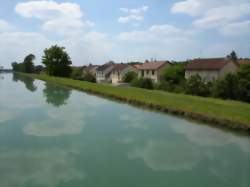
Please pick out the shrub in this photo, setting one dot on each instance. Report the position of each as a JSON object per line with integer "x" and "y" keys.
{"x": 195, "y": 86}
{"x": 226, "y": 87}
{"x": 130, "y": 76}
{"x": 143, "y": 83}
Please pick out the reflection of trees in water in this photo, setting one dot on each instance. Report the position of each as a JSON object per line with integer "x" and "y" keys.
{"x": 56, "y": 95}
{"x": 29, "y": 82}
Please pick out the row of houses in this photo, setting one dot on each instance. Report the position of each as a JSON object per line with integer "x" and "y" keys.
{"x": 209, "y": 69}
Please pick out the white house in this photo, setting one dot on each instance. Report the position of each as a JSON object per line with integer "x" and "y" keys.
{"x": 103, "y": 73}
{"x": 210, "y": 69}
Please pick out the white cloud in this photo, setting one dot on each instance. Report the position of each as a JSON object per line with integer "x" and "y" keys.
{"x": 135, "y": 14}
{"x": 236, "y": 29}
{"x": 220, "y": 15}
{"x": 127, "y": 19}
{"x": 156, "y": 33}
{"x": 63, "y": 17}
{"x": 135, "y": 10}
{"x": 43, "y": 167}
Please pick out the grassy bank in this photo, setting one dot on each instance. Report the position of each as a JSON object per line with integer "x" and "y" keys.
{"x": 230, "y": 114}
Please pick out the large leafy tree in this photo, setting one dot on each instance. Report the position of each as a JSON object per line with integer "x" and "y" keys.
{"x": 57, "y": 61}
{"x": 28, "y": 63}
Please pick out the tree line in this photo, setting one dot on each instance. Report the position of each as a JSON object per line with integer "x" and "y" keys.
{"x": 56, "y": 62}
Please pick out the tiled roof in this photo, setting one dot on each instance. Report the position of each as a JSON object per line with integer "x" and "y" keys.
{"x": 207, "y": 64}
{"x": 153, "y": 65}
{"x": 105, "y": 66}
{"x": 120, "y": 67}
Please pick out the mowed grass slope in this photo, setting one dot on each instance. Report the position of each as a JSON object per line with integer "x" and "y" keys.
{"x": 232, "y": 114}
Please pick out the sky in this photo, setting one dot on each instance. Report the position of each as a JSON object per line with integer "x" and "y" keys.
{"x": 96, "y": 31}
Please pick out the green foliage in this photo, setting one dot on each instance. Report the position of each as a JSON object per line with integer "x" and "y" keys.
{"x": 173, "y": 78}
{"x": 57, "y": 61}
{"x": 76, "y": 73}
{"x": 143, "y": 83}
{"x": 244, "y": 82}
{"x": 195, "y": 86}
{"x": 174, "y": 74}
{"x": 233, "y": 56}
{"x": 130, "y": 76}
{"x": 17, "y": 67}
{"x": 226, "y": 87}
{"x": 28, "y": 63}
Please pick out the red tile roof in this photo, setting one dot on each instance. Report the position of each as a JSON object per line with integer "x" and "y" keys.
{"x": 153, "y": 65}
{"x": 120, "y": 67}
{"x": 207, "y": 64}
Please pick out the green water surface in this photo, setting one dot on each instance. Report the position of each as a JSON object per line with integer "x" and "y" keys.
{"x": 51, "y": 136}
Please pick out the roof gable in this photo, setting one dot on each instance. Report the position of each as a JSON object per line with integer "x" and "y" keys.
{"x": 105, "y": 66}
{"x": 153, "y": 65}
{"x": 207, "y": 64}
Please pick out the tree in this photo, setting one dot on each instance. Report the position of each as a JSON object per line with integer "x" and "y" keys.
{"x": 17, "y": 67}
{"x": 130, "y": 76}
{"x": 28, "y": 63}
{"x": 173, "y": 78}
{"x": 195, "y": 86}
{"x": 57, "y": 61}
{"x": 244, "y": 82}
{"x": 233, "y": 56}
{"x": 226, "y": 87}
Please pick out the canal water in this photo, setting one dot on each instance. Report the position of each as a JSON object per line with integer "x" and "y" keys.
{"x": 51, "y": 136}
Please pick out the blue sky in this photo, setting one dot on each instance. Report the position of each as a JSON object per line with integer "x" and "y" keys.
{"x": 97, "y": 31}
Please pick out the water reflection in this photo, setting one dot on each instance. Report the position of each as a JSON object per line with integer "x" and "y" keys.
{"x": 56, "y": 95}
{"x": 166, "y": 155}
{"x": 29, "y": 82}
{"x": 38, "y": 167}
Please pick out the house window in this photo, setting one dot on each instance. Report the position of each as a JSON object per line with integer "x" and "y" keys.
{"x": 153, "y": 72}
{"x": 147, "y": 72}
{"x": 142, "y": 73}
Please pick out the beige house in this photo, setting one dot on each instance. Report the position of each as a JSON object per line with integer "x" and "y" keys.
{"x": 119, "y": 71}
{"x": 152, "y": 70}
{"x": 210, "y": 69}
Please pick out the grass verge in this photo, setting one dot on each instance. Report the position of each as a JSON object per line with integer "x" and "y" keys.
{"x": 230, "y": 114}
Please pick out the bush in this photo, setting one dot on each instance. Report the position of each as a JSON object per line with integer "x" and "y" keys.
{"x": 76, "y": 73}
{"x": 244, "y": 83}
{"x": 226, "y": 87}
{"x": 143, "y": 83}
{"x": 89, "y": 78}
{"x": 130, "y": 76}
{"x": 195, "y": 86}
